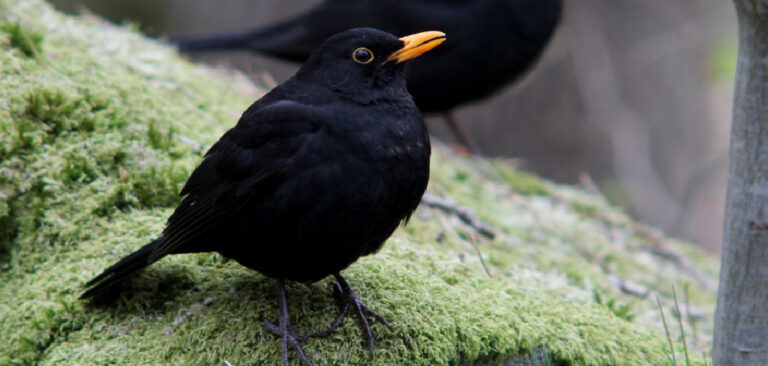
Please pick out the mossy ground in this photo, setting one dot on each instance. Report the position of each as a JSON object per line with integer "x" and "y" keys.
{"x": 99, "y": 127}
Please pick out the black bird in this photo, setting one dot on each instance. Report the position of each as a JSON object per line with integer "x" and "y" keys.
{"x": 493, "y": 42}
{"x": 317, "y": 173}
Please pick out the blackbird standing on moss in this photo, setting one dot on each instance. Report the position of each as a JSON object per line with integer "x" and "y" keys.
{"x": 317, "y": 173}
{"x": 493, "y": 43}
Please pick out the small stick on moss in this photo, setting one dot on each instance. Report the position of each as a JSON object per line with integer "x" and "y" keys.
{"x": 463, "y": 213}
{"x": 628, "y": 287}
{"x": 455, "y": 236}
{"x": 473, "y": 239}
{"x": 659, "y": 248}
{"x": 680, "y": 323}
{"x": 666, "y": 329}
{"x": 190, "y": 142}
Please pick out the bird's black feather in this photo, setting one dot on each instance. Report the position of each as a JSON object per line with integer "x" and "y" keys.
{"x": 317, "y": 173}
{"x": 491, "y": 43}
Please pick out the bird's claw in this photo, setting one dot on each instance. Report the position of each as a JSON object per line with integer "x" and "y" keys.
{"x": 290, "y": 338}
{"x": 348, "y": 298}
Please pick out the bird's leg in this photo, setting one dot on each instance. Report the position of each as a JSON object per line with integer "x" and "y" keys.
{"x": 284, "y": 329}
{"x": 460, "y": 134}
{"x": 349, "y": 299}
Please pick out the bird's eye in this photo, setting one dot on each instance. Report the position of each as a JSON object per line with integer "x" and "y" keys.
{"x": 362, "y": 55}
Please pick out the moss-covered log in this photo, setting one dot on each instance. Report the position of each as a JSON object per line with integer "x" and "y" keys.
{"x": 99, "y": 127}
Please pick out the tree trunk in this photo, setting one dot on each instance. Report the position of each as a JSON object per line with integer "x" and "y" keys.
{"x": 741, "y": 318}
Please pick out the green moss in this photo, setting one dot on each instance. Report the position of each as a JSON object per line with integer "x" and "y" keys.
{"x": 521, "y": 181}
{"x": 623, "y": 311}
{"x": 96, "y": 141}
{"x": 24, "y": 39}
{"x": 586, "y": 209}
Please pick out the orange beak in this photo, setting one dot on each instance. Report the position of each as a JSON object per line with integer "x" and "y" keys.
{"x": 416, "y": 45}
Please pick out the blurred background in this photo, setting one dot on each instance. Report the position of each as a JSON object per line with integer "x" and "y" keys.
{"x": 633, "y": 95}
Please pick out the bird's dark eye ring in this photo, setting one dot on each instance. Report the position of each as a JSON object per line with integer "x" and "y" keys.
{"x": 362, "y": 55}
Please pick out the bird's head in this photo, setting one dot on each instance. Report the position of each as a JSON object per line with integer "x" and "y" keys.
{"x": 365, "y": 63}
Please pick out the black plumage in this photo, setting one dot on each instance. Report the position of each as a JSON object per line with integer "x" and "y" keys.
{"x": 317, "y": 173}
{"x": 492, "y": 43}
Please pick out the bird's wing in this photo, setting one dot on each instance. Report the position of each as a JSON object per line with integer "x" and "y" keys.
{"x": 247, "y": 162}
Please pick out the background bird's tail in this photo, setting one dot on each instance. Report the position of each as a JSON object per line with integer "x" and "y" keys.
{"x": 121, "y": 270}
{"x": 289, "y": 40}
{"x": 217, "y": 42}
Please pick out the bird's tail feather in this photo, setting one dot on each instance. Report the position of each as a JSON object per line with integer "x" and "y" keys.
{"x": 121, "y": 270}
{"x": 288, "y": 40}
{"x": 218, "y": 42}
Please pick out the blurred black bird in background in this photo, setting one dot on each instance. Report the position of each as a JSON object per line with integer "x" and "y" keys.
{"x": 317, "y": 173}
{"x": 492, "y": 43}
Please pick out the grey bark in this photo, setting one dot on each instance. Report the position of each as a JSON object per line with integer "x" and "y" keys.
{"x": 741, "y": 317}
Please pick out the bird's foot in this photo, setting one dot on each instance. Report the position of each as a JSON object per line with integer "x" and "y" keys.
{"x": 290, "y": 338}
{"x": 348, "y": 299}
{"x": 285, "y": 331}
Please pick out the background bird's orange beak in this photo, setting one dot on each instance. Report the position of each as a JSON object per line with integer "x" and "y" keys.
{"x": 416, "y": 45}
